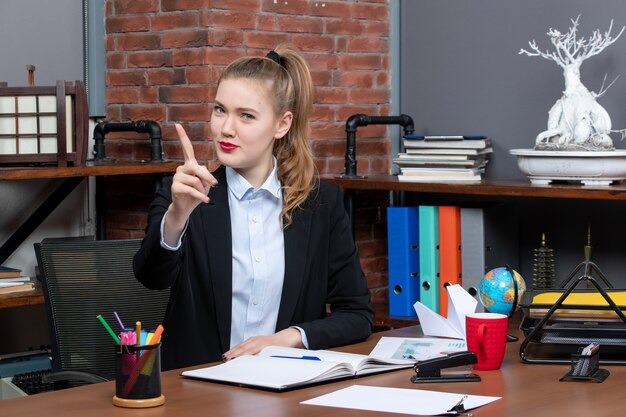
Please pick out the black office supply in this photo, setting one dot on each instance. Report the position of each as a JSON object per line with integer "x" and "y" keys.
{"x": 430, "y": 370}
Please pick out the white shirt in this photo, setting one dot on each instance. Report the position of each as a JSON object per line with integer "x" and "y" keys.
{"x": 258, "y": 261}
{"x": 258, "y": 255}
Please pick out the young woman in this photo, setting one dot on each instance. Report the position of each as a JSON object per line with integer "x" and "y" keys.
{"x": 258, "y": 252}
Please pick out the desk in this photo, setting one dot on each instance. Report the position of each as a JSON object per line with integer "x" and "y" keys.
{"x": 526, "y": 390}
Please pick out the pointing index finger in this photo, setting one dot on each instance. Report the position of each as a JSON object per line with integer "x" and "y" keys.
{"x": 188, "y": 153}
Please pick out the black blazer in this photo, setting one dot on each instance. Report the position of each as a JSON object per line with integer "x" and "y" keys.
{"x": 321, "y": 268}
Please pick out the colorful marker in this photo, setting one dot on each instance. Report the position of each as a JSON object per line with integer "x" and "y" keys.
{"x": 108, "y": 328}
{"x": 118, "y": 320}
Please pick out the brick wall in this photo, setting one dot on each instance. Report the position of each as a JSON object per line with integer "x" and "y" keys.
{"x": 164, "y": 57}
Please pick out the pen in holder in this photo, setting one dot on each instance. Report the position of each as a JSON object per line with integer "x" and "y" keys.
{"x": 585, "y": 366}
{"x": 138, "y": 376}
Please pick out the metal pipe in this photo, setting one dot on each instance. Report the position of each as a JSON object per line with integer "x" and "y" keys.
{"x": 142, "y": 126}
{"x": 357, "y": 120}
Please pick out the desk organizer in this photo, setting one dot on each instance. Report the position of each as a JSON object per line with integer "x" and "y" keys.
{"x": 585, "y": 368}
{"x": 577, "y": 318}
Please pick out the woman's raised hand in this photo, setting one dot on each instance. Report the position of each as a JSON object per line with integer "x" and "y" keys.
{"x": 190, "y": 187}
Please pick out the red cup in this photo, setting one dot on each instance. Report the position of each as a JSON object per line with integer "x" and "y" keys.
{"x": 486, "y": 337}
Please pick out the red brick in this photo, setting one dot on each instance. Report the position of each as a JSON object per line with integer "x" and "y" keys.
{"x": 345, "y": 27}
{"x": 113, "y": 112}
{"x": 360, "y": 62}
{"x": 183, "y": 94}
{"x": 149, "y": 95}
{"x": 328, "y": 130}
{"x": 228, "y": 19}
{"x": 124, "y": 24}
{"x": 300, "y": 24}
{"x": 225, "y": 37}
{"x": 219, "y": 56}
{"x": 189, "y": 113}
{"x": 377, "y": 29}
{"x": 174, "y": 5}
{"x": 266, "y": 22}
{"x": 314, "y": 42}
{"x": 331, "y": 95}
{"x": 382, "y": 79}
{"x": 249, "y": 5}
{"x": 321, "y": 61}
{"x": 373, "y": 147}
{"x": 328, "y": 147}
{"x": 135, "y": 6}
{"x": 202, "y": 75}
{"x": 344, "y": 112}
{"x": 323, "y": 114}
{"x": 297, "y": 7}
{"x": 151, "y": 59}
{"x": 186, "y": 57}
{"x": 369, "y": 45}
{"x": 264, "y": 40}
{"x": 368, "y": 96}
{"x": 122, "y": 95}
{"x": 355, "y": 79}
{"x": 109, "y": 42}
{"x": 322, "y": 78}
{"x": 116, "y": 60}
{"x": 185, "y": 39}
{"x": 156, "y": 113}
{"x": 169, "y": 21}
{"x": 126, "y": 78}
{"x": 328, "y": 8}
{"x": 138, "y": 41}
{"x": 370, "y": 11}
{"x": 166, "y": 76}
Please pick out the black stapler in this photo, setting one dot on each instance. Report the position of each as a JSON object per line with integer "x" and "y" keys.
{"x": 430, "y": 370}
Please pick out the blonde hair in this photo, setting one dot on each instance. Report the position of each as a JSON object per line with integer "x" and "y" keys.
{"x": 291, "y": 89}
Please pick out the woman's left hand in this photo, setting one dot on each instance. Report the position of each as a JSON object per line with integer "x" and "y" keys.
{"x": 288, "y": 337}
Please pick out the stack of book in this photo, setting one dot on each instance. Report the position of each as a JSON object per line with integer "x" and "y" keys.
{"x": 443, "y": 158}
{"x": 12, "y": 281}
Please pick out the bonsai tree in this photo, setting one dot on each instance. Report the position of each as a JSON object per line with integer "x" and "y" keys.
{"x": 576, "y": 121}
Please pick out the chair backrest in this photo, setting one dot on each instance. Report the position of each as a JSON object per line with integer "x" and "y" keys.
{"x": 82, "y": 279}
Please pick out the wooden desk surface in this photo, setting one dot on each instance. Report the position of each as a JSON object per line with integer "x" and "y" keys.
{"x": 526, "y": 390}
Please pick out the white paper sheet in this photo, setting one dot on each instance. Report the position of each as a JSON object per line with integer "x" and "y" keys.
{"x": 416, "y": 348}
{"x": 398, "y": 400}
{"x": 460, "y": 304}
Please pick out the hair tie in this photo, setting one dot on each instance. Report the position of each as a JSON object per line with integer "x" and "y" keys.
{"x": 275, "y": 56}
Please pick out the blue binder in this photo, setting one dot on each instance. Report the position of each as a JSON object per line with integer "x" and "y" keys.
{"x": 429, "y": 256}
{"x": 403, "y": 257}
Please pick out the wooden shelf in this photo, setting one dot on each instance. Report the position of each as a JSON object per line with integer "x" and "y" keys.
{"x": 90, "y": 169}
{"x": 496, "y": 187}
{"x": 25, "y": 298}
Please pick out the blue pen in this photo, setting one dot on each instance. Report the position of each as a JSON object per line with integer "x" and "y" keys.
{"x": 308, "y": 358}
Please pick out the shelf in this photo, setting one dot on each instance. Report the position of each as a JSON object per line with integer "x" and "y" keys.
{"x": 500, "y": 188}
{"x": 25, "y": 298}
{"x": 90, "y": 169}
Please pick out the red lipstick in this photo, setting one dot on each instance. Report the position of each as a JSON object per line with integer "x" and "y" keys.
{"x": 227, "y": 146}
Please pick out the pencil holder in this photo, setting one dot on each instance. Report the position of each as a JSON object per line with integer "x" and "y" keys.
{"x": 585, "y": 368}
{"x": 138, "y": 376}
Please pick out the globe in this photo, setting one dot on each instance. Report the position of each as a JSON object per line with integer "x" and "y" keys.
{"x": 497, "y": 291}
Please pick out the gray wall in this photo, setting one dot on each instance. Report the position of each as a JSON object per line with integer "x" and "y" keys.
{"x": 47, "y": 34}
{"x": 460, "y": 73}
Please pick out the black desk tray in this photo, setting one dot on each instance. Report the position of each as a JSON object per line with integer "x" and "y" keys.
{"x": 553, "y": 332}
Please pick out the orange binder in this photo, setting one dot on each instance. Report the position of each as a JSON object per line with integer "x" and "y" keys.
{"x": 449, "y": 252}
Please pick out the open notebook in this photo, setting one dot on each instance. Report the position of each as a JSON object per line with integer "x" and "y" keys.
{"x": 281, "y": 368}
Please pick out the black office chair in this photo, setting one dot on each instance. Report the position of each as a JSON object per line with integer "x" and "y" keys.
{"x": 81, "y": 279}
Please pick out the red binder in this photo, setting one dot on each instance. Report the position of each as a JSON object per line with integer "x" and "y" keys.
{"x": 449, "y": 252}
